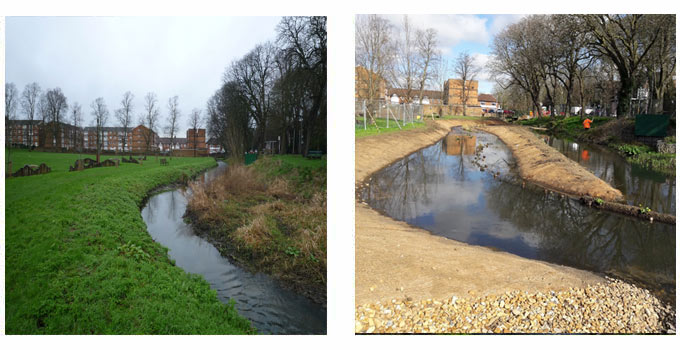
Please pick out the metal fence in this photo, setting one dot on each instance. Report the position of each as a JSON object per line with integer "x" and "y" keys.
{"x": 379, "y": 113}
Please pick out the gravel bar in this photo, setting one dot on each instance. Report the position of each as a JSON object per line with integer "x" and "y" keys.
{"x": 610, "y": 307}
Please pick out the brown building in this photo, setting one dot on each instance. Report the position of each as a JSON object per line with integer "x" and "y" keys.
{"x": 28, "y": 134}
{"x": 112, "y": 139}
{"x": 23, "y": 132}
{"x": 196, "y": 141}
{"x": 453, "y": 92}
{"x": 362, "y": 82}
{"x": 144, "y": 140}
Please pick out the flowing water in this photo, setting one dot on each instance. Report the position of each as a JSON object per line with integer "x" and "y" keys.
{"x": 466, "y": 188}
{"x": 271, "y": 309}
{"x": 638, "y": 185}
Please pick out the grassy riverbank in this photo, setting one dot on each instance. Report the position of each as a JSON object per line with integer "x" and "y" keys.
{"x": 607, "y": 131}
{"x": 270, "y": 217}
{"x": 80, "y": 261}
{"x": 382, "y": 127}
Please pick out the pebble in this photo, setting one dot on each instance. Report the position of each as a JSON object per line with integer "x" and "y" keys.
{"x": 610, "y": 307}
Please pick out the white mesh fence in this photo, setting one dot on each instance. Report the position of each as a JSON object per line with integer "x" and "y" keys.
{"x": 383, "y": 114}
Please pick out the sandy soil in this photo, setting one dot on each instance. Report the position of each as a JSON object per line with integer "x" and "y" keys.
{"x": 547, "y": 167}
{"x": 395, "y": 260}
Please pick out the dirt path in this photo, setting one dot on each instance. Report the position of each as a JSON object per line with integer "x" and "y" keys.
{"x": 547, "y": 167}
{"x": 395, "y": 260}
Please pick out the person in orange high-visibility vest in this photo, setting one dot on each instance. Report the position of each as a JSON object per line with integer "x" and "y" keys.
{"x": 586, "y": 123}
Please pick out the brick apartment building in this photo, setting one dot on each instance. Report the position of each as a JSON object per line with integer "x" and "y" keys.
{"x": 54, "y": 135}
{"x": 139, "y": 139}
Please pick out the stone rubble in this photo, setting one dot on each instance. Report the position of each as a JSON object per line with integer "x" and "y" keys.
{"x": 611, "y": 307}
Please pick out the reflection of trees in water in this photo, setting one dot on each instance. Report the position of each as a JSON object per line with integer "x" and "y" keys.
{"x": 639, "y": 185}
{"x": 574, "y": 235}
{"x": 172, "y": 213}
{"x": 150, "y": 208}
{"x": 401, "y": 187}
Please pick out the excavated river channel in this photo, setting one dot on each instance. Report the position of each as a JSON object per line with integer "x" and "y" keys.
{"x": 271, "y": 308}
{"x": 466, "y": 188}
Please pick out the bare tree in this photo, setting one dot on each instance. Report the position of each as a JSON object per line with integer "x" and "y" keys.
{"x": 517, "y": 58}
{"x": 124, "y": 115}
{"x": 29, "y": 104}
{"x": 76, "y": 118}
{"x": 229, "y": 119}
{"x": 173, "y": 120}
{"x": 11, "y": 101}
{"x": 374, "y": 52}
{"x": 428, "y": 56}
{"x": 660, "y": 64}
{"x": 195, "y": 123}
{"x": 568, "y": 39}
{"x": 466, "y": 70}
{"x": 150, "y": 120}
{"x": 44, "y": 113}
{"x": 254, "y": 74}
{"x": 440, "y": 75}
{"x": 304, "y": 47}
{"x": 57, "y": 109}
{"x": 406, "y": 72}
{"x": 625, "y": 40}
{"x": 101, "y": 116}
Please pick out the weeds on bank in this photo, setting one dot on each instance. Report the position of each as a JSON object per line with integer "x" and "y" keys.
{"x": 272, "y": 216}
{"x": 607, "y": 131}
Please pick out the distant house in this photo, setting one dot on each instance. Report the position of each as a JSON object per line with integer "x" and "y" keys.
{"x": 488, "y": 103}
{"x": 214, "y": 146}
{"x": 396, "y": 95}
{"x": 178, "y": 143}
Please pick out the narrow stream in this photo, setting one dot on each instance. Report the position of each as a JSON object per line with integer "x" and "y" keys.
{"x": 638, "y": 185}
{"x": 271, "y": 309}
{"x": 442, "y": 189}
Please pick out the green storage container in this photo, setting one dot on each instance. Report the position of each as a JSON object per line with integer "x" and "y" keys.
{"x": 251, "y": 158}
{"x": 651, "y": 125}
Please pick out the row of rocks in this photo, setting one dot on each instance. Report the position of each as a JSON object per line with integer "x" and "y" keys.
{"x": 611, "y": 307}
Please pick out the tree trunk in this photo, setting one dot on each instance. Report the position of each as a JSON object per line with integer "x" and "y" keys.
{"x": 624, "y": 95}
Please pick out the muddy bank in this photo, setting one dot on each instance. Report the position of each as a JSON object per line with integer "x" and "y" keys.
{"x": 395, "y": 260}
{"x": 543, "y": 165}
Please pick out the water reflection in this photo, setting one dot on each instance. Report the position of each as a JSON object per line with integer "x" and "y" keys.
{"x": 451, "y": 196}
{"x": 272, "y": 309}
{"x": 638, "y": 185}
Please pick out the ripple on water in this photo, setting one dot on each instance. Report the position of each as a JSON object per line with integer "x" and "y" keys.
{"x": 272, "y": 309}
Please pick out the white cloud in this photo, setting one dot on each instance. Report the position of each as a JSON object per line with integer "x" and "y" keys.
{"x": 499, "y": 22}
{"x": 451, "y": 29}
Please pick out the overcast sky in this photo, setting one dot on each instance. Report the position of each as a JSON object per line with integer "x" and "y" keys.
{"x": 457, "y": 33}
{"x": 90, "y": 57}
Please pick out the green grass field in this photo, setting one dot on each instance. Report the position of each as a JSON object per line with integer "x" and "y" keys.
{"x": 382, "y": 127}
{"x": 80, "y": 261}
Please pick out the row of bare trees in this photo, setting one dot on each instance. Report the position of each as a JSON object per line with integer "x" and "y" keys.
{"x": 587, "y": 60}
{"x": 276, "y": 92}
{"x": 49, "y": 111}
{"x": 403, "y": 56}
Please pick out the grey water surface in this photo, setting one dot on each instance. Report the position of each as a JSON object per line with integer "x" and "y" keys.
{"x": 465, "y": 187}
{"x": 271, "y": 308}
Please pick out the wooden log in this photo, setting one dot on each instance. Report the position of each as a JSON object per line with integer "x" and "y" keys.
{"x": 628, "y": 210}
